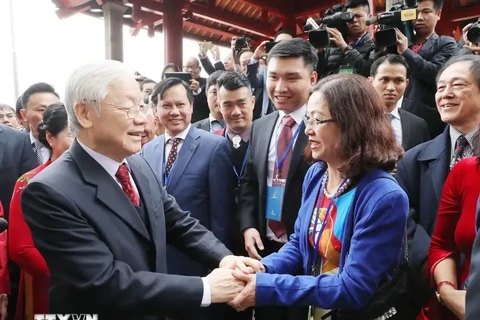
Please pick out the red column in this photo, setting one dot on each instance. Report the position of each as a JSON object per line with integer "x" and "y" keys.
{"x": 173, "y": 31}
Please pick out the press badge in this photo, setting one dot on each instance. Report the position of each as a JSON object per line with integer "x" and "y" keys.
{"x": 275, "y": 199}
{"x": 345, "y": 69}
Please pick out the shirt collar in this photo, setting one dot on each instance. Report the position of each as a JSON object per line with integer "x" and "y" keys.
{"x": 400, "y": 102}
{"x": 32, "y": 138}
{"x": 182, "y": 135}
{"x": 110, "y": 165}
{"x": 395, "y": 113}
{"x": 455, "y": 134}
{"x": 297, "y": 115}
{"x": 245, "y": 135}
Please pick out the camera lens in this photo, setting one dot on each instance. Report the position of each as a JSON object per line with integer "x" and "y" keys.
{"x": 473, "y": 34}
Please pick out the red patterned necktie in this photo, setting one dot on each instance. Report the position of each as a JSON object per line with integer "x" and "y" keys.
{"x": 284, "y": 138}
{"x": 172, "y": 155}
{"x": 458, "y": 155}
{"x": 124, "y": 178}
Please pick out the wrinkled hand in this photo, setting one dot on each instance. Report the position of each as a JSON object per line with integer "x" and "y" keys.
{"x": 3, "y": 306}
{"x": 246, "y": 298}
{"x": 465, "y": 32}
{"x": 402, "y": 42}
{"x": 337, "y": 38}
{"x": 194, "y": 85}
{"x": 223, "y": 285}
{"x": 244, "y": 264}
{"x": 261, "y": 50}
{"x": 252, "y": 239}
{"x": 454, "y": 300}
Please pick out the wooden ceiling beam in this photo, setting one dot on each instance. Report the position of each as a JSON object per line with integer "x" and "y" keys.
{"x": 269, "y": 6}
{"x": 466, "y": 13}
{"x": 315, "y": 9}
{"x": 207, "y": 28}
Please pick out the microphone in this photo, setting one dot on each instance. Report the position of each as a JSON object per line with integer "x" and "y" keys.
{"x": 3, "y": 225}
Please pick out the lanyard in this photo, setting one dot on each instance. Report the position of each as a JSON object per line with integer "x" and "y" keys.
{"x": 239, "y": 175}
{"x": 278, "y": 162}
{"x": 316, "y": 243}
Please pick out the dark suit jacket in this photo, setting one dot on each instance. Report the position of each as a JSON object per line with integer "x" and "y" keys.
{"x": 209, "y": 67}
{"x": 424, "y": 67}
{"x": 422, "y": 173}
{"x": 203, "y": 183}
{"x": 414, "y": 130}
{"x": 253, "y": 184}
{"x": 16, "y": 158}
{"x": 101, "y": 256}
{"x": 203, "y": 124}
{"x": 200, "y": 104}
{"x": 473, "y": 292}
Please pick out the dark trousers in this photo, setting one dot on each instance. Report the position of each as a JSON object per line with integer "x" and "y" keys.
{"x": 278, "y": 312}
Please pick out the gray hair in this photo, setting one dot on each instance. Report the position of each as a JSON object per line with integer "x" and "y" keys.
{"x": 88, "y": 84}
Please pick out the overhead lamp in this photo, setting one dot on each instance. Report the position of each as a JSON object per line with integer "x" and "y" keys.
{"x": 128, "y": 13}
{"x": 95, "y": 7}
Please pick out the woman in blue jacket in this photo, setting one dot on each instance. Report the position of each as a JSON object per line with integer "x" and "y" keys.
{"x": 350, "y": 228}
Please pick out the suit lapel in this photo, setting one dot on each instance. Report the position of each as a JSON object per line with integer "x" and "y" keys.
{"x": 264, "y": 144}
{"x": 160, "y": 150}
{"x": 108, "y": 190}
{"x": 184, "y": 156}
{"x": 206, "y": 125}
{"x": 428, "y": 45}
{"x": 298, "y": 151}
{"x": 405, "y": 129}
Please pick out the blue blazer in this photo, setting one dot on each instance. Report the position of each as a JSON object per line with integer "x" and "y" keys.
{"x": 372, "y": 245}
{"x": 202, "y": 182}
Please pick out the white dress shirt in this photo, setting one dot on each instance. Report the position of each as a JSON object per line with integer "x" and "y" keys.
{"x": 43, "y": 150}
{"x": 397, "y": 126}
{"x": 400, "y": 103}
{"x": 299, "y": 116}
{"x": 168, "y": 144}
{"x": 111, "y": 166}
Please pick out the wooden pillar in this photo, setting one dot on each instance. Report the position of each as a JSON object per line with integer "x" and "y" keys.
{"x": 113, "y": 17}
{"x": 173, "y": 31}
{"x": 446, "y": 26}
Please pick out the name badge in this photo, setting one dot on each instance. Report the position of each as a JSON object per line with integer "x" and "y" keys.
{"x": 275, "y": 199}
{"x": 345, "y": 69}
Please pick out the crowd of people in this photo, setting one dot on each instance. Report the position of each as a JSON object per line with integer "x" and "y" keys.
{"x": 298, "y": 183}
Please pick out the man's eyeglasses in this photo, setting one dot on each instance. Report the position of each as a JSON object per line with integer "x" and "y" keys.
{"x": 188, "y": 68}
{"x": 132, "y": 112}
{"x": 316, "y": 122}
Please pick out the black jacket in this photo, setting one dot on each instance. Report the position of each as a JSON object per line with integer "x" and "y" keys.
{"x": 357, "y": 59}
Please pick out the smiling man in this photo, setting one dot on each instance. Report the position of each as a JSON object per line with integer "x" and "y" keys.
{"x": 390, "y": 78}
{"x": 275, "y": 164}
{"x": 424, "y": 169}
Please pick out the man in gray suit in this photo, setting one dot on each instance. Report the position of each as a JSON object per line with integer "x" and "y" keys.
{"x": 473, "y": 292}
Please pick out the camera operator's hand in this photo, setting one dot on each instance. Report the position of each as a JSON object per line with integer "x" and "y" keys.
{"x": 465, "y": 32}
{"x": 233, "y": 42}
{"x": 261, "y": 50}
{"x": 468, "y": 45}
{"x": 402, "y": 42}
{"x": 337, "y": 38}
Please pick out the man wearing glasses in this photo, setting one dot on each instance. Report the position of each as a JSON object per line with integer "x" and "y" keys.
{"x": 197, "y": 85}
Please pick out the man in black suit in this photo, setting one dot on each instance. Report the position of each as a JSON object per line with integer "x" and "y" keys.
{"x": 473, "y": 291}
{"x": 425, "y": 57}
{"x": 197, "y": 84}
{"x": 16, "y": 158}
{"x": 101, "y": 219}
{"x": 424, "y": 169}
{"x": 214, "y": 121}
{"x": 389, "y": 76}
{"x": 275, "y": 162}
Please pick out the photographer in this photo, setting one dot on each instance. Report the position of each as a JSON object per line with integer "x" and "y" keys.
{"x": 351, "y": 55}
{"x": 228, "y": 63}
{"x": 425, "y": 56}
{"x": 464, "y": 45}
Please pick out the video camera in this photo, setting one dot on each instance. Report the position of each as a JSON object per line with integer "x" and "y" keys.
{"x": 335, "y": 17}
{"x": 473, "y": 34}
{"x": 399, "y": 16}
{"x": 243, "y": 43}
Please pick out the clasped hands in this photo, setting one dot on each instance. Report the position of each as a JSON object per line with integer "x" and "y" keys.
{"x": 234, "y": 282}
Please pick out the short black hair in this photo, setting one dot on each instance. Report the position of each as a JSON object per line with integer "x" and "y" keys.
{"x": 474, "y": 68}
{"x": 350, "y": 4}
{"x": 390, "y": 59}
{"x": 295, "y": 48}
{"x": 284, "y": 31}
{"x": 212, "y": 79}
{"x": 168, "y": 83}
{"x": 55, "y": 120}
{"x": 40, "y": 87}
{"x": 144, "y": 82}
{"x": 18, "y": 107}
{"x": 437, "y": 4}
{"x": 233, "y": 81}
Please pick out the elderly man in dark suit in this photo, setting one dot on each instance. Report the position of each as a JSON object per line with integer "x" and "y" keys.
{"x": 473, "y": 291}
{"x": 424, "y": 169}
{"x": 214, "y": 121}
{"x": 102, "y": 220}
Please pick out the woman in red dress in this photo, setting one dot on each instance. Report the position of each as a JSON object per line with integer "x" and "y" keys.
{"x": 34, "y": 283}
{"x": 453, "y": 237}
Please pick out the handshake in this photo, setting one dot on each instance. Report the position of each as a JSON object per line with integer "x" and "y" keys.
{"x": 234, "y": 282}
